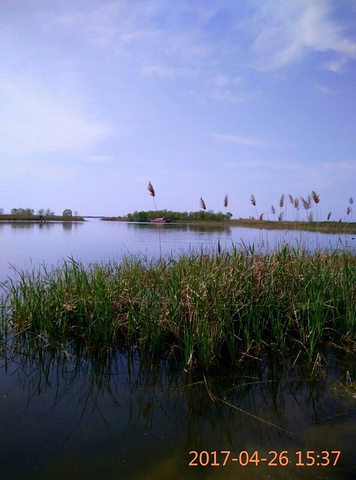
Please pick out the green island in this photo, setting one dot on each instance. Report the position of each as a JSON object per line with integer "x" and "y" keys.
{"x": 202, "y": 309}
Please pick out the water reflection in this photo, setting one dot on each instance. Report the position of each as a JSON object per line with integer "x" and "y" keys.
{"x": 125, "y": 416}
{"x": 166, "y": 228}
{"x": 46, "y": 225}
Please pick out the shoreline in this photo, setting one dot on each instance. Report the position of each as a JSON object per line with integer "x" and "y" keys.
{"x": 322, "y": 227}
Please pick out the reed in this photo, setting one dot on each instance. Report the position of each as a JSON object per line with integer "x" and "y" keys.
{"x": 204, "y": 309}
{"x": 152, "y": 192}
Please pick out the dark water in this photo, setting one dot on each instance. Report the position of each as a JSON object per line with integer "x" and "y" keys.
{"x": 115, "y": 415}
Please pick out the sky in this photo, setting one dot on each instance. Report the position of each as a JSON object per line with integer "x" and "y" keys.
{"x": 203, "y": 98}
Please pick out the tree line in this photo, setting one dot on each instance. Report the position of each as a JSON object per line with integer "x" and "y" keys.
{"x": 42, "y": 212}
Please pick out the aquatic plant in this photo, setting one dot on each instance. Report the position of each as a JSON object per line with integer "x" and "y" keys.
{"x": 202, "y": 308}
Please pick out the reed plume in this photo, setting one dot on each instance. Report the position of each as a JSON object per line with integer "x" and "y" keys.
{"x": 281, "y": 201}
{"x": 152, "y": 193}
{"x": 253, "y": 201}
{"x": 261, "y": 217}
{"x": 291, "y": 199}
{"x": 351, "y": 200}
{"x": 315, "y": 197}
{"x": 202, "y": 203}
{"x": 151, "y": 189}
{"x": 348, "y": 211}
{"x": 329, "y": 215}
{"x": 306, "y": 203}
{"x": 226, "y": 201}
{"x": 273, "y": 210}
{"x": 280, "y": 216}
{"x": 296, "y": 204}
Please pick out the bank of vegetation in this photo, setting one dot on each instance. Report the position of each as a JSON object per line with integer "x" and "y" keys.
{"x": 202, "y": 309}
{"x": 210, "y": 218}
{"x": 37, "y": 218}
{"x": 42, "y": 215}
{"x": 144, "y": 216}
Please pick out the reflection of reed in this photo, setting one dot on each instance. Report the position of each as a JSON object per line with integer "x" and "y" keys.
{"x": 148, "y": 391}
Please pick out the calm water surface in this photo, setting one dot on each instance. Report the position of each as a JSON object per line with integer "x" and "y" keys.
{"x": 25, "y": 245}
{"x": 84, "y": 415}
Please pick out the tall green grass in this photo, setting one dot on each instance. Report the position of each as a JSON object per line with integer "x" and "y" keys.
{"x": 205, "y": 309}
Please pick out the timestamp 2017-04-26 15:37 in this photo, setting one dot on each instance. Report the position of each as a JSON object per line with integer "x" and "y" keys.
{"x": 308, "y": 458}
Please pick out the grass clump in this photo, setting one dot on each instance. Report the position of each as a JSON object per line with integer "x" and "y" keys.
{"x": 205, "y": 308}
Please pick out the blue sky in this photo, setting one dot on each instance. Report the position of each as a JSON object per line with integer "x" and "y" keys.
{"x": 203, "y": 98}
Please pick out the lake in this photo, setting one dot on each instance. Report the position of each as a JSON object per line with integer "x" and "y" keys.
{"x": 26, "y": 245}
{"x": 77, "y": 414}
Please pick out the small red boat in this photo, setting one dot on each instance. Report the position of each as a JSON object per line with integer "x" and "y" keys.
{"x": 160, "y": 220}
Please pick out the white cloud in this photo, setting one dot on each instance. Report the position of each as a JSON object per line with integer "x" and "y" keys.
{"x": 160, "y": 71}
{"x": 288, "y": 30}
{"x": 36, "y": 120}
{"x": 336, "y": 66}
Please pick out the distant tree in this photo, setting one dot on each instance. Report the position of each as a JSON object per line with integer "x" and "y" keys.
{"x": 42, "y": 212}
{"x": 22, "y": 211}
{"x": 67, "y": 212}
{"x": 1, "y": 211}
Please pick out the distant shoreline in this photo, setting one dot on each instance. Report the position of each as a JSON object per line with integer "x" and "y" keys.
{"x": 323, "y": 227}
{"x": 37, "y": 219}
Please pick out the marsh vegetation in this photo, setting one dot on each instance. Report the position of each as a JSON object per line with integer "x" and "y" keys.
{"x": 203, "y": 309}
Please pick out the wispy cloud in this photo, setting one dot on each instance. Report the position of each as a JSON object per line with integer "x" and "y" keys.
{"x": 164, "y": 72}
{"x": 286, "y": 31}
{"x": 239, "y": 140}
{"x": 36, "y": 121}
{"x": 223, "y": 81}
{"x": 100, "y": 159}
{"x": 326, "y": 90}
{"x": 336, "y": 66}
